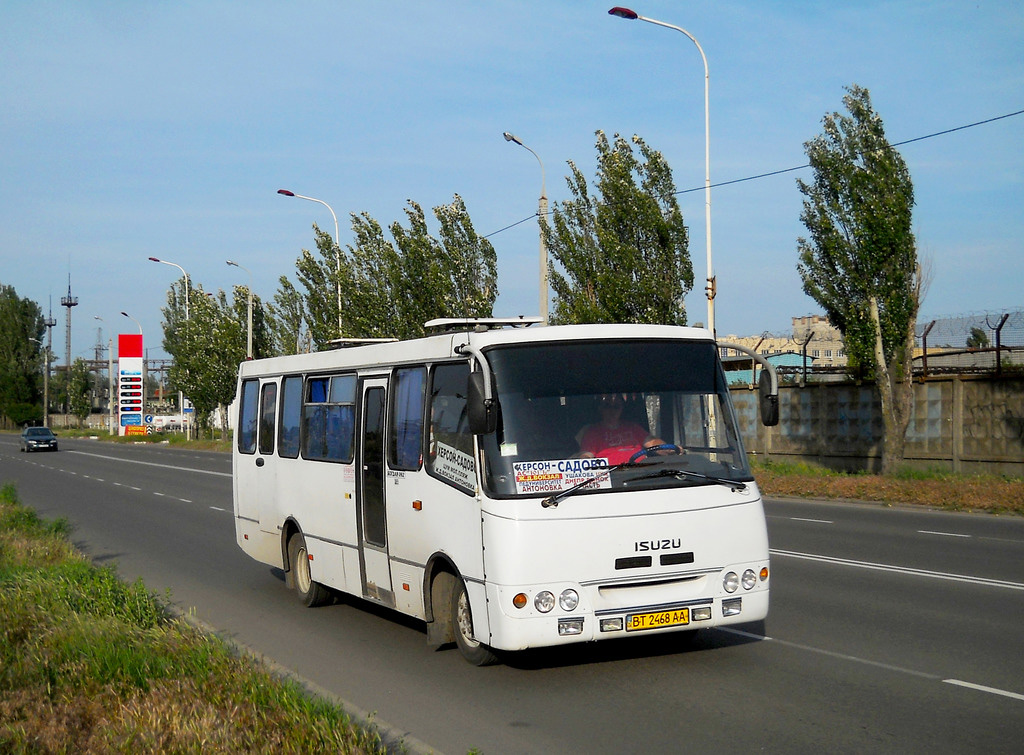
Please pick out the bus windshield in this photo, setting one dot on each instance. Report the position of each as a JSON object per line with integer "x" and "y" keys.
{"x": 569, "y": 410}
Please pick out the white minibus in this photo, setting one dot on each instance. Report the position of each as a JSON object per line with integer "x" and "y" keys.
{"x": 512, "y": 485}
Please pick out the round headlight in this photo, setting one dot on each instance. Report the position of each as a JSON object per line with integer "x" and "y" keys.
{"x": 568, "y": 600}
{"x": 544, "y": 601}
{"x": 731, "y": 582}
{"x": 749, "y": 579}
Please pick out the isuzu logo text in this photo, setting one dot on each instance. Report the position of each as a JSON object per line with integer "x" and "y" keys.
{"x": 657, "y": 545}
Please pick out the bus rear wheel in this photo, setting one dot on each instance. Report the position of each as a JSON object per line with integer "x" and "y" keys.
{"x": 311, "y": 593}
{"x": 462, "y": 623}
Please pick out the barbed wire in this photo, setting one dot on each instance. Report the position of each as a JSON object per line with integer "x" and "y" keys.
{"x": 973, "y": 329}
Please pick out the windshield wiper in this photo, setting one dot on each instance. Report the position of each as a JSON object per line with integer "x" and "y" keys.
{"x": 684, "y": 474}
{"x": 553, "y": 500}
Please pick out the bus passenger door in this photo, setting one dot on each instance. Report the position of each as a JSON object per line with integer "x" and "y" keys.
{"x": 373, "y": 537}
{"x": 266, "y": 461}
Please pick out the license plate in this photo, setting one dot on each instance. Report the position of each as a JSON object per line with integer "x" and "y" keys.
{"x": 638, "y": 621}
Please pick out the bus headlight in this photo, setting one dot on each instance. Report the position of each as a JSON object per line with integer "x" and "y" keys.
{"x": 568, "y": 600}
{"x": 544, "y": 601}
{"x": 749, "y": 579}
{"x": 731, "y": 582}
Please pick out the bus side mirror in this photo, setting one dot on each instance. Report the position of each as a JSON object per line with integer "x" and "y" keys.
{"x": 767, "y": 401}
{"x": 482, "y": 414}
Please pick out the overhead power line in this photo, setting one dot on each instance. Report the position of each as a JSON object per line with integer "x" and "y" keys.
{"x": 802, "y": 167}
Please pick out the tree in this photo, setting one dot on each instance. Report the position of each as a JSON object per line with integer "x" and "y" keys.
{"x": 80, "y": 390}
{"x": 319, "y": 275}
{"x": 625, "y": 251}
{"x": 21, "y": 358}
{"x": 286, "y": 316}
{"x": 860, "y": 260}
{"x": 262, "y": 335}
{"x": 454, "y": 276}
{"x": 978, "y": 339}
{"x": 390, "y": 287}
{"x": 208, "y": 347}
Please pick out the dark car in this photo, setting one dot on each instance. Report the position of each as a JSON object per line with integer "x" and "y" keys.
{"x": 38, "y": 439}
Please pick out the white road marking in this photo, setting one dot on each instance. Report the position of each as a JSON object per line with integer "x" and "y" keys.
{"x": 876, "y": 664}
{"x": 154, "y": 464}
{"x": 901, "y": 569}
{"x": 942, "y": 534}
{"x": 983, "y": 688}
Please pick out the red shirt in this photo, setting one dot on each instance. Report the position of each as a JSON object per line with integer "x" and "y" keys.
{"x": 615, "y": 443}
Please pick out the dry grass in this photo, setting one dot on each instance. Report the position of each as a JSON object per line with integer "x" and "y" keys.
{"x": 997, "y": 495}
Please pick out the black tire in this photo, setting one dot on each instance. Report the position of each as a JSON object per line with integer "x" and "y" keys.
{"x": 462, "y": 624}
{"x": 311, "y": 593}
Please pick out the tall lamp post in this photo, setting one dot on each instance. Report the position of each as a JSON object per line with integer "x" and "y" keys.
{"x": 139, "y": 325}
{"x": 46, "y": 381}
{"x": 181, "y": 396}
{"x": 110, "y": 380}
{"x": 337, "y": 244}
{"x": 183, "y": 273}
{"x": 711, "y": 287}
{"x": 248, "y": 342}
{"x": 542, "y": 212}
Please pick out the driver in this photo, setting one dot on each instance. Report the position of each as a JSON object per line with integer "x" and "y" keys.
{"x": 612, "y": 438}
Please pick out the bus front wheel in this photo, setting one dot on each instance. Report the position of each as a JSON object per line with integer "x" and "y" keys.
{"x": 310, "y": 593}
{"x": 462, "y": 623}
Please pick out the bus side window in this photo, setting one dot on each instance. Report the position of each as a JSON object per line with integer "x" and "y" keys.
{"x": 451, "y": 444}
{"x": 247, "y": 416}
{"x": 268, "y": 418}
{"x": 341, "y": 418}
{"x": 328, "y": 418}
{"x": 405, "y": 445}
{"x": 291, "y": 411}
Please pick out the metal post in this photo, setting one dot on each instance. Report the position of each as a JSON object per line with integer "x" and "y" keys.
{"x": 542, "y": 212}
{"x": 712, "y": 286}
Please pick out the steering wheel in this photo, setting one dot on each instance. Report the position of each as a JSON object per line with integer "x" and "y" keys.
{"x": 654, "y": 449}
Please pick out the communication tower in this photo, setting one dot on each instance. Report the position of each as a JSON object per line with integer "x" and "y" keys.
{"x": 68, "y": 301}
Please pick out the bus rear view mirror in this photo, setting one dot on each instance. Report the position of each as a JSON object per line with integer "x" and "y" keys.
{"x": 768, "y": 402}
{"x": 482, "y": 414}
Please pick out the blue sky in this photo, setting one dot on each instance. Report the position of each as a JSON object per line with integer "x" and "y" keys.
{"x": 137, "y": 129}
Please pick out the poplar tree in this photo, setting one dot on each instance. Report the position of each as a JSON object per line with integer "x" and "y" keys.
{"x": 391, "y": 285}
{"x": 623, "y": 252}
{"x": 207, "y": 347}
{"x": 21, "y": 358}
{"x": 859, "y": 261}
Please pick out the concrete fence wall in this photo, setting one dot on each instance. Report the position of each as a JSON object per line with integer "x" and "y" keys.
{"x": 960, "y": 423}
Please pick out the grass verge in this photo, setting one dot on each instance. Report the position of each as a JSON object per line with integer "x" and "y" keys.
{"x": 89, "y": 663}
{"x": 169, "y": 438}
{"x": 988, "y": 493}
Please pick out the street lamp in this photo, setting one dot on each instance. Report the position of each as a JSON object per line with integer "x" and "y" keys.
{"x": 248, "y": 348}
{"x": 337, "y": 243}
{"x": 184, "y": 274}
{"x": 711, "y": 287}
{"x": 110, "y": 380}
{"x": 181, "y": 395}
{"x": 46, "y": 382}
{"x": 542, "y": 212}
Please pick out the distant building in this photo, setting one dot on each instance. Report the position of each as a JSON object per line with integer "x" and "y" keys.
{"x": 824, "y": 342}
{"x": 739, "y": 371}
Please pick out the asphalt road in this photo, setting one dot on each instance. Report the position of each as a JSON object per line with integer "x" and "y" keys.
{"x": 891, "y": 629}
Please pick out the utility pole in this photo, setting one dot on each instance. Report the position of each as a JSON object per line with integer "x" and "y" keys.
{"x": 49, "y": 322}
